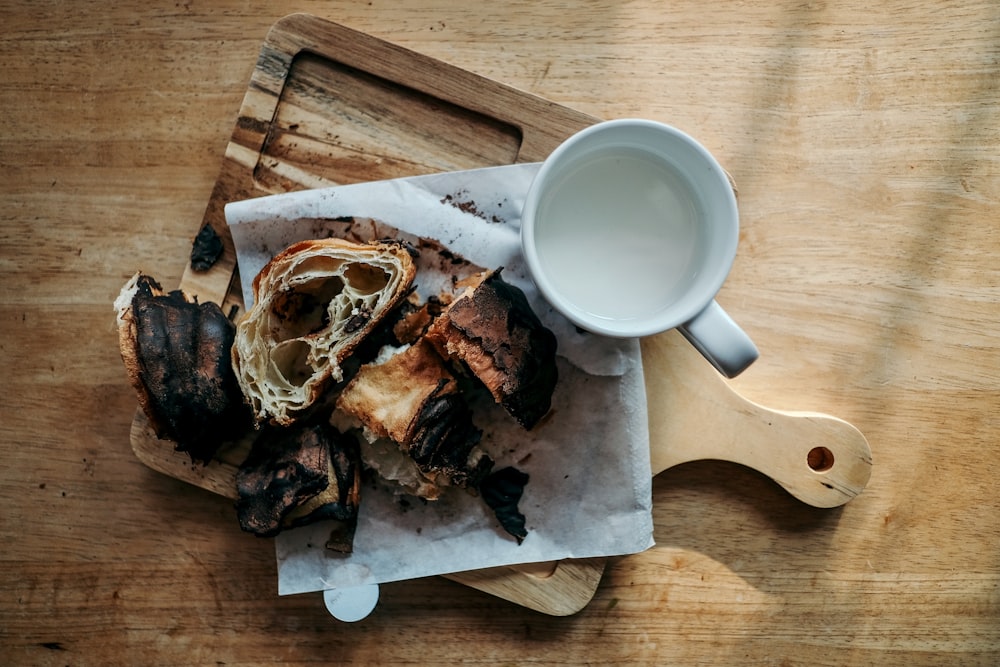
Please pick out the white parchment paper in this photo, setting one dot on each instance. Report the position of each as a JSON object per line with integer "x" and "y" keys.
{"x": 589, "y": 492}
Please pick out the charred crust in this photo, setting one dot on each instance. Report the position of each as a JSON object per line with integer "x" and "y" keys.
{"x": 443, "y": 437}
{"x": 183, "y": 355}
{"x": 414, "y": 319}
{"x": 206, "y": 249}
{"x": 501, "y": 491}
{"x": 341, "y": 538}
{"x": 148, "y": 286}
{"x": 412, "y": 251}
{"x": 340, "y": 500}
{"x": 285, "y": 468}
{"x": 497, "y": 319}
{"x": 382, "y": 334}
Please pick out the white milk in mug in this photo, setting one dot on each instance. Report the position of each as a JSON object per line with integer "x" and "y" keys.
{"x": 618, "y": 235}
{"x": 629, "y": 229}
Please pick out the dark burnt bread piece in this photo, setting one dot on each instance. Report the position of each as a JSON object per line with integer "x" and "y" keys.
{"x": 206, "y": 249}
{"x": 284, "y": 469}
{"x": 177, "y": 355}
{"x": 501, "y": 491}
{"x": 444, "y": 438}
{"x": 496, "y": 335}
{"x": 341, "y": 498}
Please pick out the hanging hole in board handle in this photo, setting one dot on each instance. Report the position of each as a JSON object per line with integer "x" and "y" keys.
{"x": 820, "y": 459}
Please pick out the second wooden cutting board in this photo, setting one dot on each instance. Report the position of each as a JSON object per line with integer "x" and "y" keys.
{"x": 327, "y": 105}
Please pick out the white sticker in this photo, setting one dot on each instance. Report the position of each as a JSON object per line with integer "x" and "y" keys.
{"x": 351, "y": 604}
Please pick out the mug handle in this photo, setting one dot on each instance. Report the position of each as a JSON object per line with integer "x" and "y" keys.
{"x": 720, "y": 340}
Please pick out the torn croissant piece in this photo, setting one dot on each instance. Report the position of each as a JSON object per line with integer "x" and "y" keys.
{"x": 341, "y": 498}
{"x": 177, "y": 356}
{"x": 415, "y": 318}
{"x": 313, "y": 305}
{"x": 492, "y": 330}
{"x": 412, "y": 399}
{"x": 297, "y": 475}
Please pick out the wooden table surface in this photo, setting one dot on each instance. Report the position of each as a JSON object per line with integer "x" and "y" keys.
{"x": 865, "y": 141}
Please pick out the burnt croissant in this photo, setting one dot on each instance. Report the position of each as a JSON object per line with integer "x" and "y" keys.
{"x": 176, "y": 353}
{"x": 297, "y": 475}
{"x": 491, "y": 329}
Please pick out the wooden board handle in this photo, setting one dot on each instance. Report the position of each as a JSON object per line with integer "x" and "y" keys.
{"x": 695, "y": 415}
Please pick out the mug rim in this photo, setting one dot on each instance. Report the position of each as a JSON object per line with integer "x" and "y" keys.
{"x": 671, "y": 316}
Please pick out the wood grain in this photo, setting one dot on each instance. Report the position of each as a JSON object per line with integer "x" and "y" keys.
{"x": 325, "y": 122}
{"x": 863, "y": 140}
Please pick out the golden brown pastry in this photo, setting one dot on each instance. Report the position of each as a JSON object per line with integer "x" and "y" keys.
{"x": 412, "y": 399}
{"x": 177, "y": 356}
{"x": 313, "y": 305}
{"x": 491, "y": 329}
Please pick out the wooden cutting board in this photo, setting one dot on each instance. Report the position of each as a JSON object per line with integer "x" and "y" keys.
{"x": 327, "y": 105}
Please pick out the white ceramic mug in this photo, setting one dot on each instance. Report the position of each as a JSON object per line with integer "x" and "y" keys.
{"x": 630, "y": 228}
